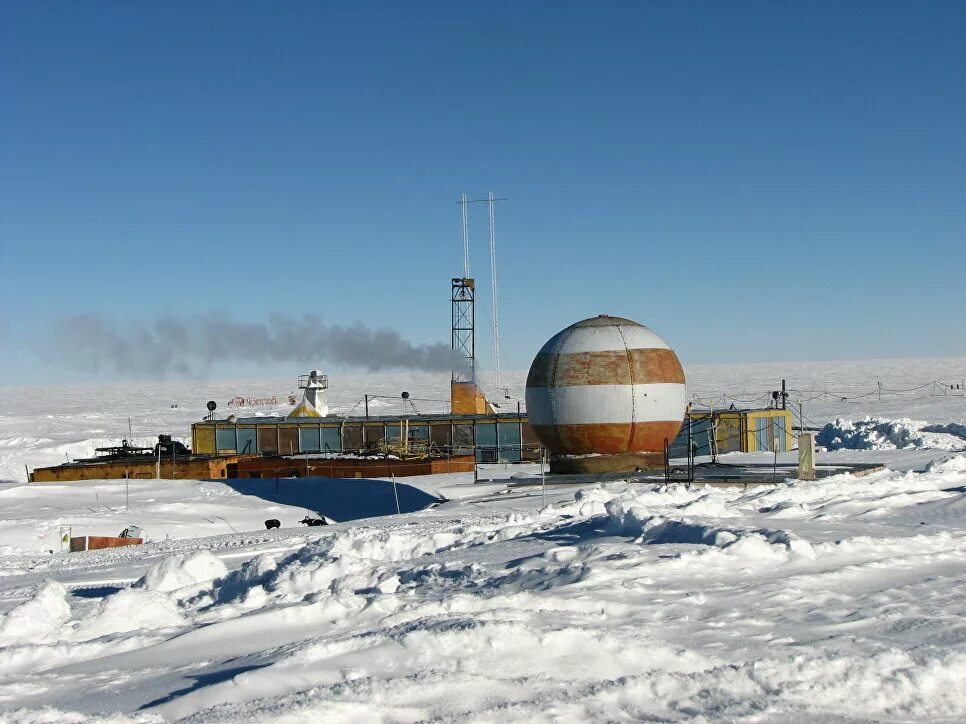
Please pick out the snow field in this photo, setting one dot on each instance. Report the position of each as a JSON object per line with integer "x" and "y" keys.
{"x": 838, "y": 599}
{"x": 842, "y": 599}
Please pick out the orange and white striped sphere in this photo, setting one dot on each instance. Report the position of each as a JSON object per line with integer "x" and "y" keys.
{"x": 605, "y": 385}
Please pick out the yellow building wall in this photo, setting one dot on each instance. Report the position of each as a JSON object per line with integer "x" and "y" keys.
{"x": 203, "y": 439}
{"x": 180, "y": 470}
{"x": 467, "y": 399}
{"x": 728, "y": 432}
{"x": 751, "y": 443}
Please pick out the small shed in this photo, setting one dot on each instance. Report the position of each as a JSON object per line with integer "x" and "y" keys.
{"x": 735, "y": 430}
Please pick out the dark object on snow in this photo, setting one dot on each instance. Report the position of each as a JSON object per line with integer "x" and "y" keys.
{"x": 132, "y": 531}
{"x": 313, "y": 521}
{"x": 168, "y": 447}
{"x": 272, "y": 523}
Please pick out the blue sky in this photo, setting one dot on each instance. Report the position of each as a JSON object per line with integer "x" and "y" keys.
{"x": 755, "y": 181}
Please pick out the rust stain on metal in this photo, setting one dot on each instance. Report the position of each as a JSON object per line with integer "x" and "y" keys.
{"x": 607, "y": 438}
{"x": 612, "y": 367}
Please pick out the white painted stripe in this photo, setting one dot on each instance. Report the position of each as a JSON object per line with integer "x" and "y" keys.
{"x": 605, "y": 339}
{"x": 595, "y": 404}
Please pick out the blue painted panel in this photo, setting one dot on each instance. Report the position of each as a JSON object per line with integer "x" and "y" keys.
{"x": 780, "y": 433}
{"x": 700, "y": 433}
{"x": 761, "y": 434}
{"x": 225, "y": 439}
{"x": 308, "y": 439}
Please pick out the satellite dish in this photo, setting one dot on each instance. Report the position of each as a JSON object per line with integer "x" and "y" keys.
{"x": 211, "y": 405}
{"x": 405, "y": 395}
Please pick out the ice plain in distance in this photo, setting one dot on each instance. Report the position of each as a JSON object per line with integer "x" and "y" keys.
{"x": 829, "y": 601}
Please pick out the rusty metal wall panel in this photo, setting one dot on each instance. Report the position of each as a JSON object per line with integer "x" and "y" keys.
{"x": 622, "y": 367}
{"x": 607, "y": 438}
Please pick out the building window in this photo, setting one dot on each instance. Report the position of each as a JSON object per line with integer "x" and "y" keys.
{"x": 225, "y": 439}
{"x": 246, "y": 440}
{"x": 486, "y": 443}
{"x": 508, "y": 434}
{"x": 309, "y": 439}
{"x": 331, "y": 440}
{"x": 268, "y": 440}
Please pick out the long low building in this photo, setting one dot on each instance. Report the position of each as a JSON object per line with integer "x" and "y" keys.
{"x": 495, "y": 437}
{"x": 224, "y": 448}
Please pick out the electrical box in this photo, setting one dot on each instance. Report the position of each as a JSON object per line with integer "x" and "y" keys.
{"x": 806, "y": 456}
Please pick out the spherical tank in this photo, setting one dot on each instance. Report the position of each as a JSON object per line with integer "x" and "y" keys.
{"x": 605, "y": 385}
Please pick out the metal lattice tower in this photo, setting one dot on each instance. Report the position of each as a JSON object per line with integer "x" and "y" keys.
{"x": 463, "y": 299}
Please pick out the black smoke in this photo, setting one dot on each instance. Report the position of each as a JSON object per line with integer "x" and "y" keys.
{"x": 188, "y": 346}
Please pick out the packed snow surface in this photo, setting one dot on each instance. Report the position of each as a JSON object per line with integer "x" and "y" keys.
{"x": 841, "y": 599}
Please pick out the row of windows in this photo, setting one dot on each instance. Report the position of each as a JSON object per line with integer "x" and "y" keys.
{"x": 492, "y": 440}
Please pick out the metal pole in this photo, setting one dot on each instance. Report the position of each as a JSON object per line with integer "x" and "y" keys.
{"x": 395, "y": 493}
{"x": 774, "y": 468}
{"x": 466, "y": 239}
{"x": 157, "y": 467}
{"x": 784, "y": 394}
{"x": 690, "y": 452}
{"x": 496, "y": 316}
{"x": 543, "y": 477}
{"x": 127, "y": 492}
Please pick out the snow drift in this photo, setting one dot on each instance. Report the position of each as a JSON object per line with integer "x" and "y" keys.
{"x": 884, "y": 434}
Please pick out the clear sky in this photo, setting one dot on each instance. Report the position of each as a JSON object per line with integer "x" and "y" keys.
{"x": 755, "y": 181}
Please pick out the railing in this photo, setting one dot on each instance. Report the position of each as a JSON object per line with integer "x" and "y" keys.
{"x": 675, "y": 473}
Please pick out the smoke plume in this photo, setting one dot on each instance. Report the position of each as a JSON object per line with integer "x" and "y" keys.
{"x": 188, "y": 346}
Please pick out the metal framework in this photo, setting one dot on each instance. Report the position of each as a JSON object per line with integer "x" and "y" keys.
{"x": 463, "y": 300}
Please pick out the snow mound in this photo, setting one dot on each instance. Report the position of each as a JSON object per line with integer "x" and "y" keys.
{"x": 742, "y": 542}
{"x": 130, "y": 610}
{"x": 885, "y": 434}
{"x": 38, "y": 617}
{"x": 182, "y": 571}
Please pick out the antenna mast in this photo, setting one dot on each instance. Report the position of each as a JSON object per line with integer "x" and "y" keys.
{"x": 466, "y": 238}
{"x": 463, "y": 297}
{"x": 491, "y": 207}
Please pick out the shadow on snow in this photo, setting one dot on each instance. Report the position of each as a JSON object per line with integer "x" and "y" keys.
{"x": 339, "y": 499}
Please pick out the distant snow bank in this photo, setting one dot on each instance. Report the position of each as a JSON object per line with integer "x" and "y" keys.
{"x": 874, "y": 433}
